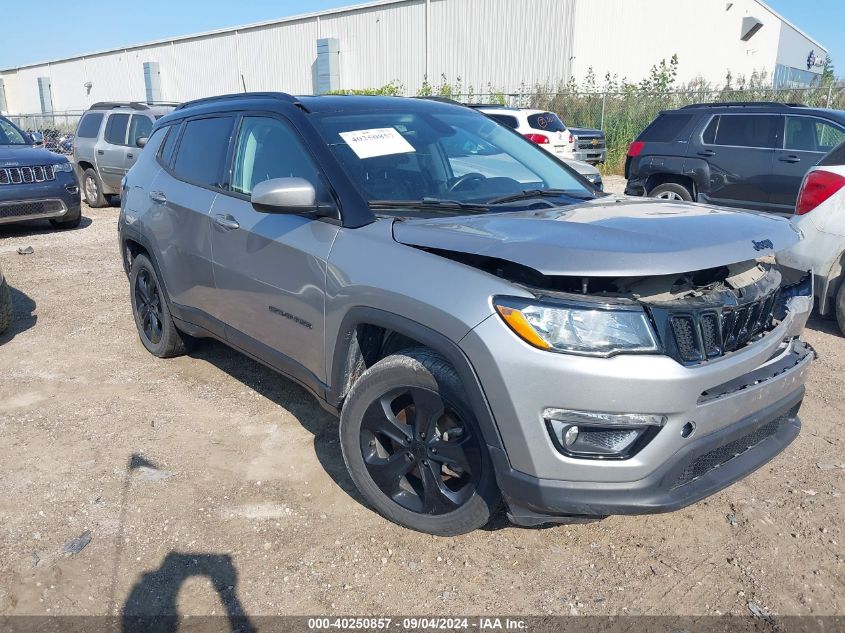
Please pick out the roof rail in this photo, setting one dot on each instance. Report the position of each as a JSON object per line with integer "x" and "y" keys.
{"x": 281, "y": 96}
{"x": 485, "y": 105}
{"x": 744, "y": 104}
{"x": 135, "y": 105}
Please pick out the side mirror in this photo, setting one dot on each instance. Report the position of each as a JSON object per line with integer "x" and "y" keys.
{"x": 37, "y": 138}
{"x": 141, "y": 141}
{"x": 284, "y": 195}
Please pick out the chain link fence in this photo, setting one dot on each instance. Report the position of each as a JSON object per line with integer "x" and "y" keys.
{"x": 55, "y": 131}
{"x": 623, "y": 115}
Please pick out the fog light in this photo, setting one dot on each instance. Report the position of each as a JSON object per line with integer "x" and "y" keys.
{"x": 597, "y": 435}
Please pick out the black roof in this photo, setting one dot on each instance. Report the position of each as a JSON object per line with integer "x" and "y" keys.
{"x": 763, "y": 106}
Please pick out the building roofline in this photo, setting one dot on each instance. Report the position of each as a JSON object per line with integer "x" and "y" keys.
{"x": 792, "y": 25}
{"x": 222, "y": 31}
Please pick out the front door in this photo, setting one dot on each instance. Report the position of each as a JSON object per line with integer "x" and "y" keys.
{"x": 140, "y": 126}
{"x": 270, "y": 269}
{"x": 805, "y": 140}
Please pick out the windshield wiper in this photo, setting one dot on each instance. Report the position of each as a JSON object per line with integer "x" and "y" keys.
{"x": 435, "y": 204}
{"x": 542, "y": 193}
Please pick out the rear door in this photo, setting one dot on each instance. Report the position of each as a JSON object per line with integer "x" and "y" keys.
{"x": 739, "y": 149}
{"x": 111, "y": 150}
{"x": 806, "y": 139}
{"x": 270, "y": 269}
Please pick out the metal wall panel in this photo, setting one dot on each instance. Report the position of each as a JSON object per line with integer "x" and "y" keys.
{"x": 68, "y": 85}
{"x": 279, "y": 57}
{"x": 109, "y": 76}
{"x": 207, "y": 66}
{"x": 380, "y": 44}
{"x": 501, "y": 42}
{"x": 161, "y": 54}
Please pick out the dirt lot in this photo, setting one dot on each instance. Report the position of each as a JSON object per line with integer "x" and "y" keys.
{"x": 208, "y": 483}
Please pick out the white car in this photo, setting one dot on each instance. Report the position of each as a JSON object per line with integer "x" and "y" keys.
{"x": 549, "y": 132}
{"x": 820, "y": 214}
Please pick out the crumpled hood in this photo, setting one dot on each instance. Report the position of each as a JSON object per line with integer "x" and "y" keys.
{"x": 614, "y": 236}
{"x": 27, "y": 156}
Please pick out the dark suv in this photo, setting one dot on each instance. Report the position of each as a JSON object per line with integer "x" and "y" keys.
{"x": 747, "y": 155}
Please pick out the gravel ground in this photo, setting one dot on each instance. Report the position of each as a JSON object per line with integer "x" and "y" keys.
{"x": 208, "y": 483}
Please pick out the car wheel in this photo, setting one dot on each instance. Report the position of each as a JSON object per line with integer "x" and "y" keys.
{"x": 671, "y": 191}
{"x": 413, "y": 448}
{"x": 840, "y": 307}
{"x": 155, "y": 325}
{"x": 92, "y": 188}
{"x": 6, "y": 312}
{"x": 71, "y": 223}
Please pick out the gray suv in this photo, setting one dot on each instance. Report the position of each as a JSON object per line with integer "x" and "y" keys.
{"x": 108, "y": 140}
{"x": 483, "y": 338}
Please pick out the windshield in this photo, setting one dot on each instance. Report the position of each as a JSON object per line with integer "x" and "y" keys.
{"x": 10, "y": 135}
{"x": 443, "y": 157}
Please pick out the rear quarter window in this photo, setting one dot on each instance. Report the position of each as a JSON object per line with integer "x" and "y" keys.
{"x": 505, "y": 119}
{"x": 666, "y": 128}
{"x": 835, "y": 157}
{"x": 89, "y": 126}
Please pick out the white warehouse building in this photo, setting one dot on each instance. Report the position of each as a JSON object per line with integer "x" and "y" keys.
{"x": 503, "y": 44}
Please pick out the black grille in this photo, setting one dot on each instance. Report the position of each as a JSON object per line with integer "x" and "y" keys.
{"x": 703, "y": 464}
{"x": 21, "y": 209}
{"x": 588, "y": 144}
{"x": 26, "y": 175}
{"x": 694, "y": 335}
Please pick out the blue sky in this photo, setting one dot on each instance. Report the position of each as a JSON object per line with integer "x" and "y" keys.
{"x": 52, "y": 29}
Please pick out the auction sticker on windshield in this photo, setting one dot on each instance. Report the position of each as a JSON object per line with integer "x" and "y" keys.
{"x": 377, "y": 142}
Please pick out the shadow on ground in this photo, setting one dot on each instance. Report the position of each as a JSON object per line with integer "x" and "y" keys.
{"x": 23, "y": 314}
{"x": 291, "y": 397}
{"x": 39, "y": 227}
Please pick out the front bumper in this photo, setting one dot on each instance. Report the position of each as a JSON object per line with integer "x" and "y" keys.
{"x": 591, "y": 156}
{"x": 55, "y": 199}
{"x": 727, "y": 399}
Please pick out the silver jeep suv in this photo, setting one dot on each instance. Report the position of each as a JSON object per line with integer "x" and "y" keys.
{"x": 108, "y": 140}
{"x": 518, "y": 337}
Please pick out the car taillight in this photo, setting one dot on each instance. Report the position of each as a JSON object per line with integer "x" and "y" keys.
{"x": 636, "y": 148}
{"x": 537, "y": 138}
{"x": 817, "y": 187}
{"x": 571, "y": 139}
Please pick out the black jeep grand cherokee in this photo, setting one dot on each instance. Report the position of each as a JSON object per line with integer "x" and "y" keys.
{"x": 747, "y": 155}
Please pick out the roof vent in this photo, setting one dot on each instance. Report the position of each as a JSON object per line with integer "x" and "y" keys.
{"x": 750, "y": 25}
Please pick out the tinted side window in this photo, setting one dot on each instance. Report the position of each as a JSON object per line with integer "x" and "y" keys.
{"x": 89, "y": 126}
{"x": 140, "y": 127}
{"x": 267, "y": 148}
{"x": 747, "y": 130}
{"x": 709, "y": 134}
{"x": 202, "y": 151}
{"x": 665, "y": 128}
{"x": 807, "y": 134}
{"x": 116, "y": 129}
{"x": 166, "y": 153}
{"x": 505, "y": 119}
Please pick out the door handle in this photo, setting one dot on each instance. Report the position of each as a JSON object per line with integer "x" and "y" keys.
{"x": 100, "y": 152}
{"x": 790, "y": 159}
{"x": 158, "y": 196}
{"x": 226, "y": 222}
{"x": 129, "y": 156}
{"x": 707, "y": 152}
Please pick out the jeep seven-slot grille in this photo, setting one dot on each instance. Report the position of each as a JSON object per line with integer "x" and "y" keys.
{"x": 26, "y": 175}
{"x": 695, "y": 335}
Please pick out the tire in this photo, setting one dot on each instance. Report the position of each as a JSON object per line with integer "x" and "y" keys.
{"x": 92, "y": 188}
{"x": 156, "y": 329}
{"x": 400, "y": 464}
{"x": 671, "y": 191}
{"x": 71, "y": 223}
{"x": 840, "y": 307}
{"x": 6, "y": 312}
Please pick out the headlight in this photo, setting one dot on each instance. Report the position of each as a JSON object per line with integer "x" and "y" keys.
{"x": 65, "y": 166}
{"x": 579, "y": 329}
